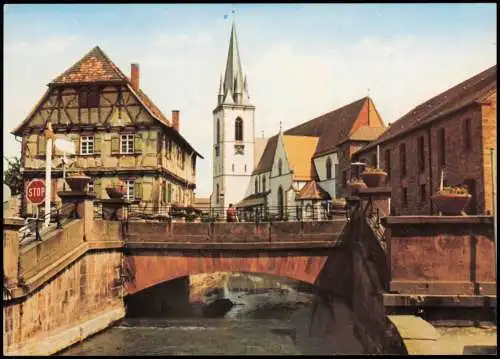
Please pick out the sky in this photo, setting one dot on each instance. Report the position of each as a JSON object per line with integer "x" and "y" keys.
{"x": 301, "y": 60}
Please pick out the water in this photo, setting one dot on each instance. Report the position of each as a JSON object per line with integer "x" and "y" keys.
{"x": 266, "y": 317}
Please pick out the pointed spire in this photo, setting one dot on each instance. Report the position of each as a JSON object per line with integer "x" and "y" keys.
{"x": 221, "y": 91}
{"x": 228, "y": 99}
{"x": 233, "y": 77}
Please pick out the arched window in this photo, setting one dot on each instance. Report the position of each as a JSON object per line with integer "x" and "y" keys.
{"x": 217, "y": 193}
{"x": 328, "y": 168}
{"x": 280, "y": 167}
{"x": 256, "y": 185}
{"x": 218, "y": 131}
{"x": 263, "y": 183}
{"x": 238, "y": 130}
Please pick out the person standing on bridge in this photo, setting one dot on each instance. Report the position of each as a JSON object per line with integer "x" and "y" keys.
{"x": 231, "y": 215}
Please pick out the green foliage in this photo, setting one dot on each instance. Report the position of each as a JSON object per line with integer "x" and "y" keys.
{"x": 13, "y": 178}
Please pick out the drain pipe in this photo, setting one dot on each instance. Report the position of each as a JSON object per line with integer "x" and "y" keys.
{"x": 494, "y": 187}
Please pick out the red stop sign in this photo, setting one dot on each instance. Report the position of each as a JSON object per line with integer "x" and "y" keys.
{"x": 35, "y": 191}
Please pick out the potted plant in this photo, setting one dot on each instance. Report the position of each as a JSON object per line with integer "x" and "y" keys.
{"x": 77, "y": 181}
{"x": 355, "y": 184}
{"x": 451, "y": 200}
{"x": 373, "y": 177}
{"x": 116, "y": 190}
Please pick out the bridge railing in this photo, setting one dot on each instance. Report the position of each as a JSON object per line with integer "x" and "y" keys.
{"x": 33, "y": 229}
{"x": 171, "y": 212}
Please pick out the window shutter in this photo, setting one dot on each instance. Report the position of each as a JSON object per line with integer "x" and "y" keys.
{"x": 41, "y": 145}
{"x": 138, "y": 143}
{"x": 169, "y": 193}
{"x": 97, "y": 188}
{"x": 76, "y": 142}
{"x": 138, "y": 189}
{"x": 115, "y": 144}
{"x": 97, "y": 143}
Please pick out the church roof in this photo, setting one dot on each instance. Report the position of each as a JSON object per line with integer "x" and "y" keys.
{"x": 266, "y": 160}
{"x": 453, "y": 99}
{"x": 312, "y": 191}
{"x": 332, "y": 128}
{"x": 299, "y": 151}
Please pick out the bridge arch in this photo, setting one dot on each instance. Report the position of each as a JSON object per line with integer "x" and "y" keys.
{"x": 146, "y": 270}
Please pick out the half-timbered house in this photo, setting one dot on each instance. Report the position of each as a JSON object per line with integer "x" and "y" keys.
{"x": 118, "y": 132}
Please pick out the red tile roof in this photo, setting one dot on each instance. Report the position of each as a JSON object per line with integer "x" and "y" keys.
{"x": 453, "y": 99}
{"x": 95, "y": 66}
{"x": 312, "y": 191}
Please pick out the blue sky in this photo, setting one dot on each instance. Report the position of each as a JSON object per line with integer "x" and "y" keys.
{"x": 301, "y": 60}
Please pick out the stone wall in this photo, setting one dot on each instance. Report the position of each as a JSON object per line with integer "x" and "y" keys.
{"x": 83, "y": 299}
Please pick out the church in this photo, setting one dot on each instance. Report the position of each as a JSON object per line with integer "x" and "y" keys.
{"x": 298, "y": 168}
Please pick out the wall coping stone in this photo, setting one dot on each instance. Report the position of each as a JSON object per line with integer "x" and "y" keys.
{"x": 429, "y": 220}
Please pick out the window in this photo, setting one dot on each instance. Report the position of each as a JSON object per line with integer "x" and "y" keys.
{"x": 89, "y": 97}
{"x": 232, "y": 167}
{"x": 169, "y": 148}
{"x": 238, "y": 129}
{"x": 245, "y": 168}
{"x": 467, "y": 134}
{"x": 388, "y": 163}
{"x": 402, "y": 158}
{"x": 129, "y": 186}
{"x": 328, "y": 168}
{"x": 90, "y": 186}
{"x": 217, "y": 194}
{"x": 423, "y": 193}
{"x": 280, "y": 167}
{"x": 421, "y": 154}
{"x": 263, "y": 183}
{"x": 405, "y": 196}
{"x": 441, "y": 148}
{"x": 169, "y": 192}
{"x": 256, "y": 185}
{"x": 217, "y": 150}
{"x": 127, "y": 143}
{"x": 344, "y": 178}
{"x": 218, "y": 131}
{"x": 86, "y": 145}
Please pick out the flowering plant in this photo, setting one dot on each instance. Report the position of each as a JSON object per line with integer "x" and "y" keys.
{"x": 460, "y": 190}
{"x": 373, "y": 170}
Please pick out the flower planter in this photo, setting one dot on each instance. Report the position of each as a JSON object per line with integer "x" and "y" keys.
{"x": 451, "y": 204}
{"x": 373, "y": 179}
{"x": 338, "y": 204}
{"x": 356, "y": 186}
{"x": 78, "y": 182}
{"x": 115, "y": 192}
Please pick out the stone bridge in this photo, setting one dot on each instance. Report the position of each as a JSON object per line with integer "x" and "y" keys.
{"x": 72, "y": 283}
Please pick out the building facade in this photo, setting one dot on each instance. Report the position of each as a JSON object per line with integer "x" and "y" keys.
{"x": 450, "y": 134}
{"x": 318, "y": 151}
{"x": 118, "y": 134}
{"x": 233, "y": 135}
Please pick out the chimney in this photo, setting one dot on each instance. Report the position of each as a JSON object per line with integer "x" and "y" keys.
{"x": 175, "y": 120}
{"x": 134, "y": 75}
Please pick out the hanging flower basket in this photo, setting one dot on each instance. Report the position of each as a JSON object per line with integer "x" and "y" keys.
{"x": 77, "y": 181}
{"x": 374, "y": 177}
{"x": 451, "y": 201}
{"x": 117, "y": 190}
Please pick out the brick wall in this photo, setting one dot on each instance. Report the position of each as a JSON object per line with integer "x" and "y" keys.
{"x": 86, "y": 289}
{"x": 461, "y": 163}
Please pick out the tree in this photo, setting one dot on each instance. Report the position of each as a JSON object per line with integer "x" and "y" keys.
{"x": 13, "y": 178}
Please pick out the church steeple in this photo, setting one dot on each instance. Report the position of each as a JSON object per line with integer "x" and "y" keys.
{"x": 233, "y": 77}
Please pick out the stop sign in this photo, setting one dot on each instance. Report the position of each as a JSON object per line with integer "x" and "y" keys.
{"x": 35, "y": 192}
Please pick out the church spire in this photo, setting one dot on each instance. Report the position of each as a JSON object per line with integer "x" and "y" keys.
{"x": 233, "y": 77}
{"x": 220, "y": 96}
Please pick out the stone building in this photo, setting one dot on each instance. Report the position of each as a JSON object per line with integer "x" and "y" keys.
{"x": 318, "y": 150}
{"x": 118, "y": 133}
{"x": 453, "y": 131}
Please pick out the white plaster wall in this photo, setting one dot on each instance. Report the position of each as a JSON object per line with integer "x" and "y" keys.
{"x": 285, "y": 180}
{"x": 320, "y": 165}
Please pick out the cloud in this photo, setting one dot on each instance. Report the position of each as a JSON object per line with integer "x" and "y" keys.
{"x": 41, "y": 48}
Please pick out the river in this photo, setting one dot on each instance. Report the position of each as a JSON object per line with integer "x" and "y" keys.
{"x": 253, "y": 315}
